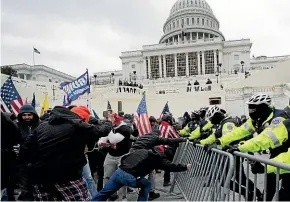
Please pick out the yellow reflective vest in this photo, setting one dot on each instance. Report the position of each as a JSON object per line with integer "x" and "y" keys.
{"x": 226, "y": 126}
{"x": 207, "y": 126}
{"x": 192, "y": 131}
{"x": 282, "y": 158}
{"x": 273, "y": 135}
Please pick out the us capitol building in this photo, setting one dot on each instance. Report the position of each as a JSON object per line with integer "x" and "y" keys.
{"x": 191, "y": 51}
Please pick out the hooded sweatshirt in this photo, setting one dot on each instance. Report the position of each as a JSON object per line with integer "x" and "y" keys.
{"x": 25, "y": 128}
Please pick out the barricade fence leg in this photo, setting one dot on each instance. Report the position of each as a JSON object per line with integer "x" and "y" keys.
{"x": 178, "y": 159}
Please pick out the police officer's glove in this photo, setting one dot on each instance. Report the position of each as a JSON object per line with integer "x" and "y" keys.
{"x": 257, "y": 168}
{"x": 231, "y": 148}
{"x": 194, "y": 142}
{"x": 209, "y": 147}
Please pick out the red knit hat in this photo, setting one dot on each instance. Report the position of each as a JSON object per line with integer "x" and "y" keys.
{"x": 117, "y": 118}
{"x": 83, "y": 112}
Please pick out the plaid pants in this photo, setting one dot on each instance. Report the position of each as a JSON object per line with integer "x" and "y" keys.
{"x": 72, "y": 191}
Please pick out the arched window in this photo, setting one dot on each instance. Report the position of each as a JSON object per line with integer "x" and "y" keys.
{"x": 173, "y": 25}
{"x": 202, "y": 21}
{"x": 187, "y": 21}
{"x": 192, "y": 21}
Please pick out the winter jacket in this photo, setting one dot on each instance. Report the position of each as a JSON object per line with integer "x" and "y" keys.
{"x": 26, "y": 129}
{"x": 124, "y": 146}
{"x": 148, "y": 141}
{"x": 10, "y": 136}
{"x": 141, "y": 162}
{"x": 55, "y": 151}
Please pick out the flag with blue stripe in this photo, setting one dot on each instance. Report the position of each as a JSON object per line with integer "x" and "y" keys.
{"x": 77, "y": 87}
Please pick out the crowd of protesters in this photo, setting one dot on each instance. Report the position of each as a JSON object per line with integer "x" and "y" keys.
{"x": 61, "y": 155}
{"x": 69, "y": 155}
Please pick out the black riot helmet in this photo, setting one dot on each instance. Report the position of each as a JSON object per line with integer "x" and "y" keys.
{"x": 167, "y": 117}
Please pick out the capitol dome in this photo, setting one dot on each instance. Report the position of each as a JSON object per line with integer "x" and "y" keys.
{"x": 190, "y": 20}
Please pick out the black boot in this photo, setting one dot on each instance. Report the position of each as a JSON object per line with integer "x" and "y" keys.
{"x": 166, "y": 184}
{"x": 153, "y": 195}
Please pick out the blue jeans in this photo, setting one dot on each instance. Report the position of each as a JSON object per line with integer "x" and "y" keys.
{"x": 89, "y": 179}
{"x": 119, "y": 179}
{"x": 4, "y": 196}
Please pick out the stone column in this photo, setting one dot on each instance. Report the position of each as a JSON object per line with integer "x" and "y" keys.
{"x": 221, "y": 59}
{"x": 178, "y": 38}
{"x": 142, "y": 69}
{"x": 175, "y": 64}
{"x": 215, "y": 60}
{"x": 149, "y": 68}
{"x": 160, "y": 66}
{"x": 164, "y": 65}
{"x": 196, "y": 35}
{"x": 203, "y": 63}
{"x": 198, "y": 63}
{"x": 190, "y": 36}
{"x": 186, "y": 65}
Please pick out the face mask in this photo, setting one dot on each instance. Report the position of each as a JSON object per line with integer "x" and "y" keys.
{"x": 253, "y": 112}
{"x": 217, "y": 118}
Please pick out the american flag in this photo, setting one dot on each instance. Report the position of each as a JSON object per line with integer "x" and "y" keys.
{"x": 10, "y": 98}
{"x": 142, "y": 119}
{"x": 167, "y": 131}
{"x": 165, "y": 109}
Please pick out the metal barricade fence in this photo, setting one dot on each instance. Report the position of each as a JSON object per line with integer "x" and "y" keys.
{"x": 209, "y": 177}
{"x": 261, "y": 187}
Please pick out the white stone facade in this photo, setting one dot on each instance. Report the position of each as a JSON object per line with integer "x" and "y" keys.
{"x": 41, "y": 73}
{"x": 180, "y": 99}
{"x": 103, "y": 78}
{"x": 264, "y": 62}
{"x": 191, "y": 45}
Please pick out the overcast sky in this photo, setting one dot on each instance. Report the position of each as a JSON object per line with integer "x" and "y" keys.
{"x": 73, "y": 35}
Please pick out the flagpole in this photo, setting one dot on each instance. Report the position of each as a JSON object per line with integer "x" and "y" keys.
{"x": 88, "y": 93}
{"x": 33, "y": 56}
